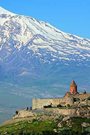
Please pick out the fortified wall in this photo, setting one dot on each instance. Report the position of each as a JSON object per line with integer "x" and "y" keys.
{"x": 54, "y": 102}
{"x": 68, "y": 99}
{"x": 40, "y": 103}
{"x": 72, "y": 104}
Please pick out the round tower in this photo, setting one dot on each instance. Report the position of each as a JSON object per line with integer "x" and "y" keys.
{"x": 73, "y": 88}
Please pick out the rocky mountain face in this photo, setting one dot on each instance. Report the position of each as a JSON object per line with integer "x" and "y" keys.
{"x": 34, "y": 52}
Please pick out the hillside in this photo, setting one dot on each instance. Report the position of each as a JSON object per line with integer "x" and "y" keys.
{"x": 70, "y": 118}
{"x": 57, "y": 126}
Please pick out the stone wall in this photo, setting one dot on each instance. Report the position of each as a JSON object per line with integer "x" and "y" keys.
{"x": 66, "y": 112}
{"x": 82, "y": 96}
{"x": 23, "y": 114}
{"x": 40, "y": 103}
{"x": 66, "y": 100}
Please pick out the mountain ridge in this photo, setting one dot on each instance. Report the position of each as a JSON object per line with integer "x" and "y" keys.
{"x": 35, "y": 31}
{"x": 26, "y": 42}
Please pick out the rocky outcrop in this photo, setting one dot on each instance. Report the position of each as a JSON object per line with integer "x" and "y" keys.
{"x": 83, "y": 111}
{"x": 23, "y": 114}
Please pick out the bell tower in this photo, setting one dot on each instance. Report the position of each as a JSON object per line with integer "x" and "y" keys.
{"x": 73, "y": 88}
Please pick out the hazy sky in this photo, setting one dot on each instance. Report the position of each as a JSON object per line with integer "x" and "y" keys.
{"x": 72, "y": 16}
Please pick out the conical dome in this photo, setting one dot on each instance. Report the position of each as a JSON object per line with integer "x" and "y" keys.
{"x": 73, "y": 83}
{"x": 73, "y": 87}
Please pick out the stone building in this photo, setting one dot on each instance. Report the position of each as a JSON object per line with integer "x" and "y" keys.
{"x": 54, "y": 102}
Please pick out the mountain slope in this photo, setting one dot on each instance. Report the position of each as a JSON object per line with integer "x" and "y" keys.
{"x": 32, "y": 49}
{"x": 38, "y": 60}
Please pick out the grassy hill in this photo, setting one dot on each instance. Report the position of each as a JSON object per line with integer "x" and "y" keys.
{"x": 57, "y": 126}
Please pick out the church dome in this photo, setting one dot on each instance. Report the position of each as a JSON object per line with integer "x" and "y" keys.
{"x": 73, "y": 87}
{"x": 73, "y": 83}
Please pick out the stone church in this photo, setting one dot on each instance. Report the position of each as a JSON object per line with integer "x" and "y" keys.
{"x": 54, "y": 102}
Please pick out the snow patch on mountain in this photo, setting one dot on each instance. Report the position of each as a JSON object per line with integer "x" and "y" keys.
{"x": 4, "y": 11}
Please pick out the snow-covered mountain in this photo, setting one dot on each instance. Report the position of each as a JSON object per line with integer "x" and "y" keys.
{"x": 33, "y": 49}
{"x": 38, "y": 60}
